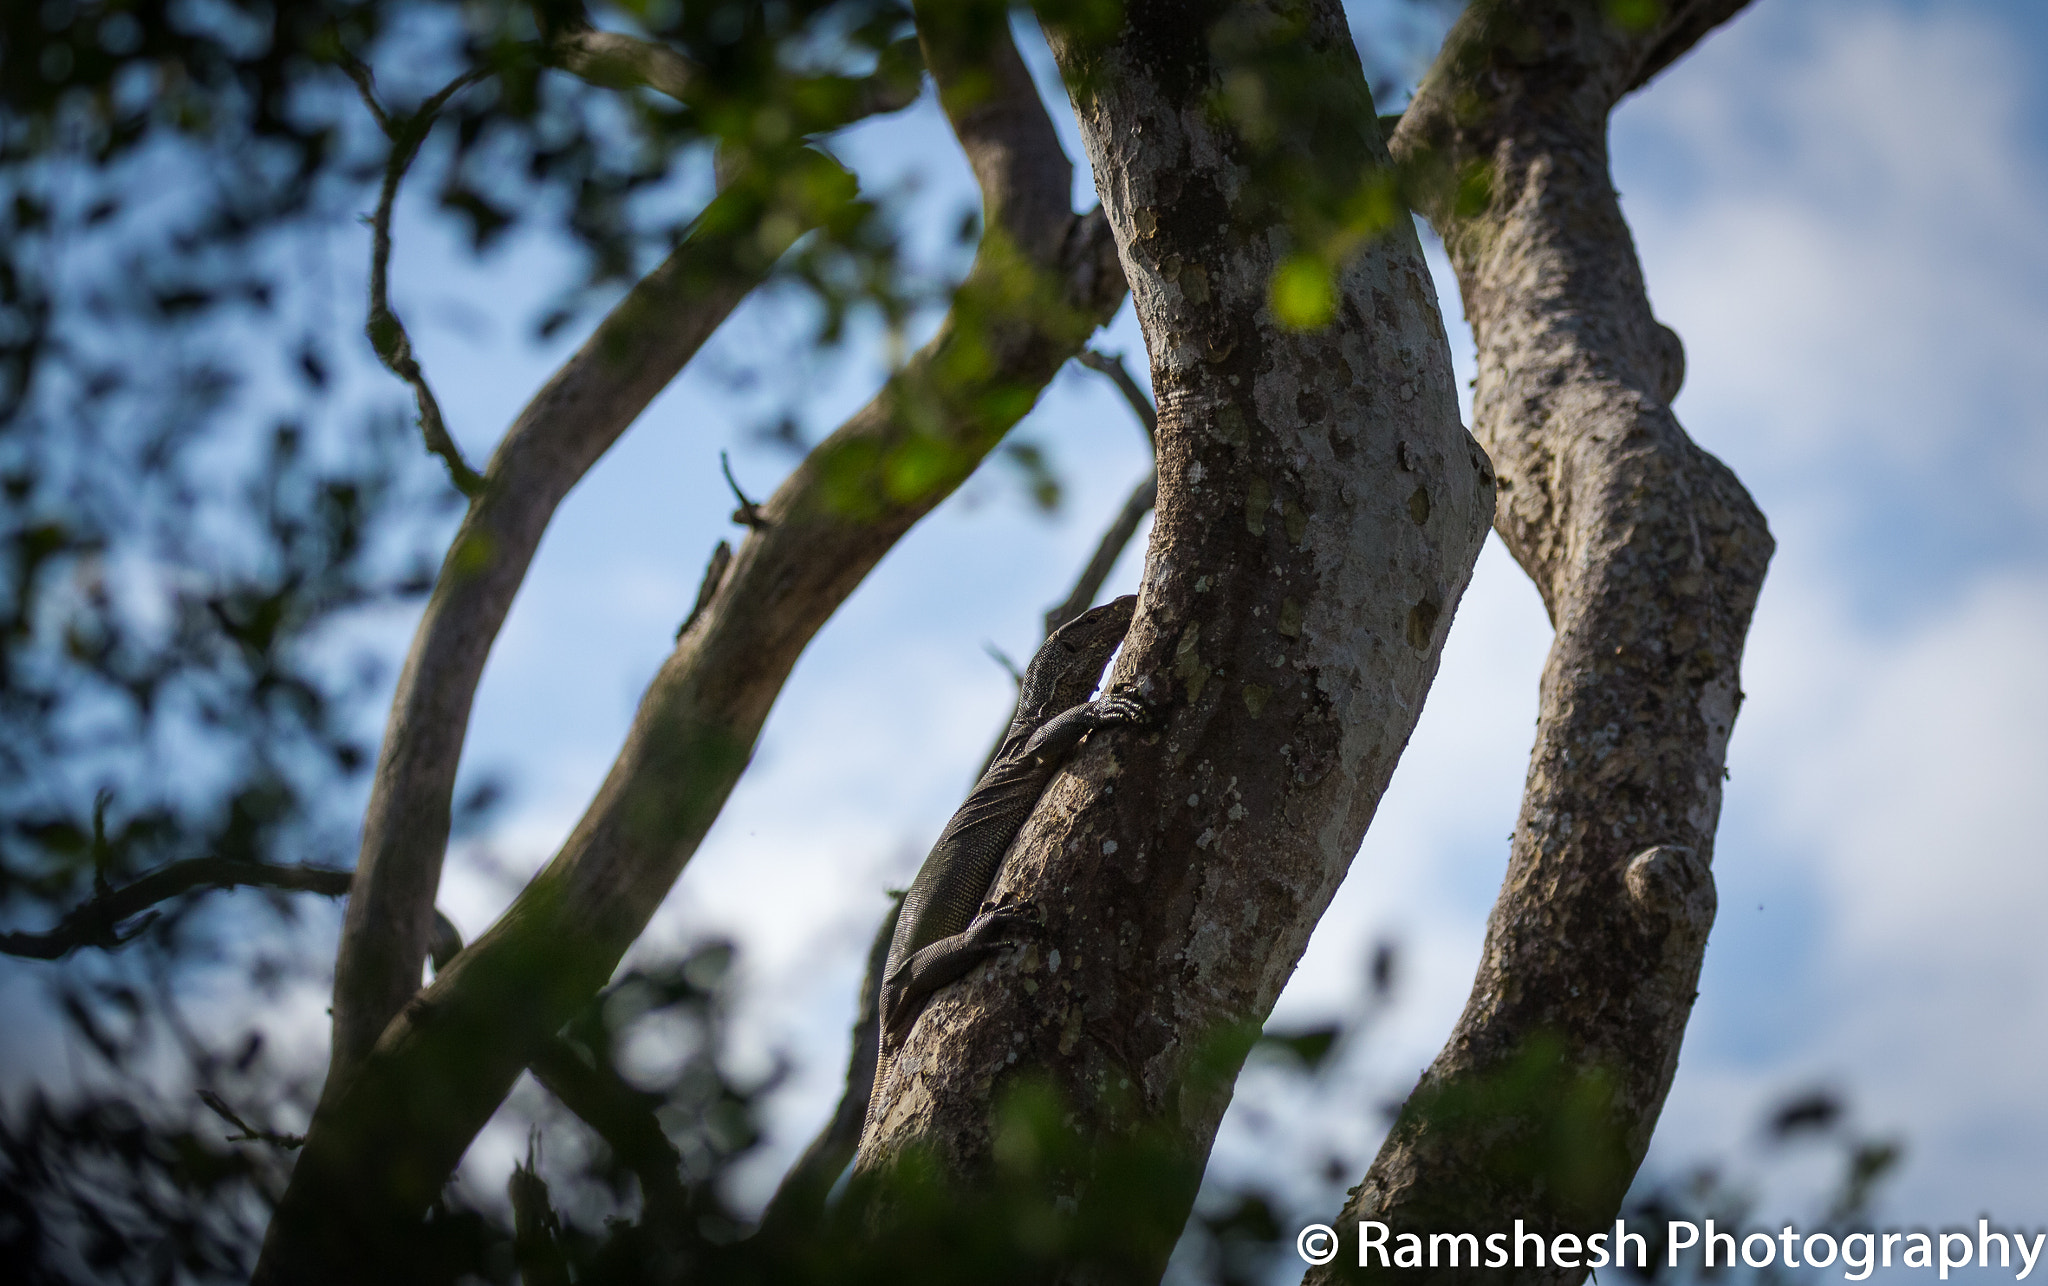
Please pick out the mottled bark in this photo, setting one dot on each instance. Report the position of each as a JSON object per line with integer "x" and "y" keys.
{"x": 1320, "y": 508}
{"x": 383, "y": 1143}
{"x": 1649, "y": 555}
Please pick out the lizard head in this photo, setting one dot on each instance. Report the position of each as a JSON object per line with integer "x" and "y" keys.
{"x": 1067, "y": 667}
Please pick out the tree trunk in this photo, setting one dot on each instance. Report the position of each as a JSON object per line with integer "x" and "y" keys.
{"x": 1649, "y": 555}
{"x": 1320, "y": 508}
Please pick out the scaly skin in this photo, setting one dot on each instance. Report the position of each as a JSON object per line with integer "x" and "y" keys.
{"x": 944, "y": 929}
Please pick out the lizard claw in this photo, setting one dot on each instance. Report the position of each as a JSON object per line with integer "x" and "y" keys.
{"x": 1004, "y": 921}
{"x": 1120, "y": 708}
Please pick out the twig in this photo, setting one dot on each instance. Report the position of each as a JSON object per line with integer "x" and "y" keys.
{"x": 96, "y": 923}
{"x": 1107, "y": 551}
{"x": 1142, "y": 497}
{"x": 800, "y": 1198}
{"x": 707, "y": 589}
{"x": 1002, "y": 658}
{"x": 249, "y": 1133}
{"x": 387, "y": 334}
{"x": 366, "y": 86}
{"x": 1120, "y": 530}
{"x": 624, "y": 1118}
{"x": 749, "y": 514}
{"x": 1119, "y": 374}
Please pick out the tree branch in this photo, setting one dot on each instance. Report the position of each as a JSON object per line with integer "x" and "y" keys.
{"x": 96, "y": 923}
{"x": 1111, "y": 547}
{"x": 387, "y": 334}
{"x": 1112, "y": 365}
{"x": 1114, "y": 538}
{"x": 624, "y": 1118}
{"x": 1649, "y": 556}
{"x": 249, "y": 1133}
{"x": 616, "y": 60}
{"x": 383, "y": 1140}
{"x": 1125, "y": 525}
{"x": 800, "y": 1198}
{"x": 634, "y": 353}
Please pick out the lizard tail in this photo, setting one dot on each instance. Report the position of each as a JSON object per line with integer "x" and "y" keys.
{"x": 883, "y": 1059}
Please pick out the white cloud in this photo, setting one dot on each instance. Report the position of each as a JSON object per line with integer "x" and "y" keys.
{"x": 1853, "y": 254}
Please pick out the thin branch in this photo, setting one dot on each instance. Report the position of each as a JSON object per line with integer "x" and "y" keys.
{"x": 387, "y": 334}
{"x": 748, "y": 514}
{"x": 615, "y": 60}
{"x": 1003, "y": 659}
{"x": 624, "y": 1118}
{"x": 714, "y": 576}
{"x": 563, "y": 431}
{"x": 1140, "y": 502}
{"x": 1140, "y": 402}
{"x": 1111, "y": 547}
{"x": 366, "y": 86}
{"x": 800, "y": 1198}
{"x": 97, "y": 922}
{"x": 249, "y": 1133}
{"x": 1115, "y": 538}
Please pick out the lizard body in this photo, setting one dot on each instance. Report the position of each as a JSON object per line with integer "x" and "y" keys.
{"x": 943, "y": 931}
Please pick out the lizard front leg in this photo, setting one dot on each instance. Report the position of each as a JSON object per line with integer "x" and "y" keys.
{"x": 1057, "y": 739}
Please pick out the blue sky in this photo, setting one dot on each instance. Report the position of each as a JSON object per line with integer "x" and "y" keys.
{"x": 1838, "y": 205}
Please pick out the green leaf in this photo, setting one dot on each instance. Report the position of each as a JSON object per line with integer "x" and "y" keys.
{"x": 1304, "y": 295}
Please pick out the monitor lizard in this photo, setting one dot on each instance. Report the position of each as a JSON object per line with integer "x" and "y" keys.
{"x": 945, "y": 929}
